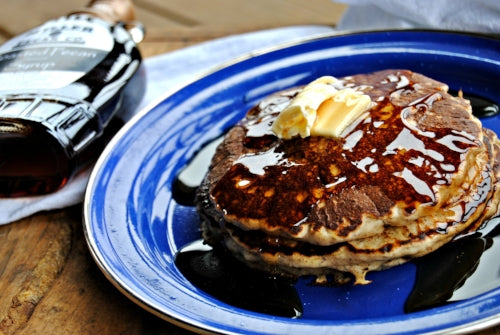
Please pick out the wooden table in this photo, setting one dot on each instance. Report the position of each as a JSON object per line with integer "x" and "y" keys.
{"x": 49, "y": 284}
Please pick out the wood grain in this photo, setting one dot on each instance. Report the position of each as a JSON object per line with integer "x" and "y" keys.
{"x": 33, "y": 254}
{"x": 49, "y": 283}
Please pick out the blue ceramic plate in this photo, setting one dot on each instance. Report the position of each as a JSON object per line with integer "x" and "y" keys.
{"x": 134, "y": 227}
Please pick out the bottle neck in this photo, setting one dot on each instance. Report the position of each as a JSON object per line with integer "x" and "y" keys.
{"x": 113, "y": 11}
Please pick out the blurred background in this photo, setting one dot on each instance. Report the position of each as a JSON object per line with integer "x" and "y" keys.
{"x": 176, "y": 23}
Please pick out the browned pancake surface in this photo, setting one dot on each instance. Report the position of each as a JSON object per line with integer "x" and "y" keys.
{"x": 412, "y": 173}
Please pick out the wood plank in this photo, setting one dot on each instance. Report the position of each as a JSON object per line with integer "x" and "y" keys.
{"x": 15, "y": 19}
{"x": 238, "y": 14}
{"x": 159, "y": 41}
{"x": 49, "y": 281}
{"x": 18, "y": 16}
{"x": 33, "y": 252}
{"x": 242, "y": 13}
{"x": 182, "y": 28}
{"x": 82, "y": 301}
{"x": 182, "y": 22}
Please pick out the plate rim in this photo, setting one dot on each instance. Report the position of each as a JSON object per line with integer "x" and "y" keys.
{"x": 261, "y": 51}
{"x": 474, "y": 325}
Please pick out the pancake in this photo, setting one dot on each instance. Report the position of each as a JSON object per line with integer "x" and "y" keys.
{"x": 409, "y": 175}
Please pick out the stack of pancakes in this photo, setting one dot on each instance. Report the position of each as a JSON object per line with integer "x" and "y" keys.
{"x": 413, "y": 172}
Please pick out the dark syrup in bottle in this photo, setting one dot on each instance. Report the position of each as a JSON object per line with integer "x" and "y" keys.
{"x": 60, "y": 86}
{"x": 439, "y": 274}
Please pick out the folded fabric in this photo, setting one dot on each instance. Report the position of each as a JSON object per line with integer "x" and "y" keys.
{"x": 163, "y": 74}
{"x": 462, "y": 15}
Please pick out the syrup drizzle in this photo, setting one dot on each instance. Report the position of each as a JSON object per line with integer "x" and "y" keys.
{"x": 376, "y": 153}
{"x": 442, "y": 272}
{"x": 481, "y": 107}
{"x": 439, "y": 275}
{"x": 218, "y": 274}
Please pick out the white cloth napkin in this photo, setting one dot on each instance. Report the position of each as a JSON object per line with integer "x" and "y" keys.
{"x": 462, "y": 15}
{"x": 163, "y": 73}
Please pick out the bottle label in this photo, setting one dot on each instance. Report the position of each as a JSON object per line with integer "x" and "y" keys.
{"x": 55, "y": 54}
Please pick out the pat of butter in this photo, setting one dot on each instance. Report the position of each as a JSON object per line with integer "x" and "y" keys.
{"x": 337, "y": 113}
{"x": 321, "y": 110}
{"x": 300, "y": 114}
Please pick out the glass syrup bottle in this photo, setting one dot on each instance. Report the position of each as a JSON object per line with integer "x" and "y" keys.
{"x": 60, "y": 86}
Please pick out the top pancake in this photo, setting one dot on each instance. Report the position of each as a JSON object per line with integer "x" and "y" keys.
{"x": 418, "y": 159}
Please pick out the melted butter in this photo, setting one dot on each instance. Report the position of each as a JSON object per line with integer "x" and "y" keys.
{"x": 366, "y": 164}
{"x": 458, "y": 142}
{"x": 406, "y": 140}
{"x": 352, "y": 140}
{"x": 321, "y": 108}
{"x": 400, "y": 80}
{"x": 257, "y": 163}
{"x": 419, "y": 185}
{"x": 260, "y": 127}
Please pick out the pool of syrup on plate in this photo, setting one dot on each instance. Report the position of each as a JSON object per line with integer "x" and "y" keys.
{"x": 459, "y": 270}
